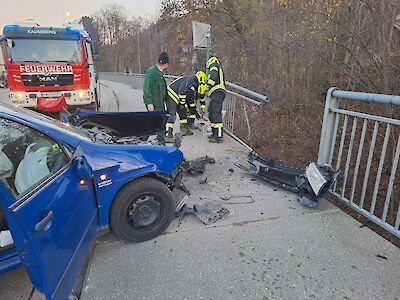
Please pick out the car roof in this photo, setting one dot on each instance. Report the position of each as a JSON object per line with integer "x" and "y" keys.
{"x": 40, "y": 121}
{"x": 23, "y": 114}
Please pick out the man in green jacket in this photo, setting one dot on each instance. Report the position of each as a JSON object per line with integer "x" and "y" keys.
{"x": 155, "y": 89}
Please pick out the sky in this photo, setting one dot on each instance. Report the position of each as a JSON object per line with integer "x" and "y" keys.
{"x": 58, "y": 12}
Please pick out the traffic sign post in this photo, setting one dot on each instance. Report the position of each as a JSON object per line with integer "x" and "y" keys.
{"x": 202, "y": 37}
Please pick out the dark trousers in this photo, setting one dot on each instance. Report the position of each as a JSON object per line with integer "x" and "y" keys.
{"x": 192, "y": 109}
{"x": 215, "y": 108}
{"x": 174, "y": 108}
{"x": 160, "y": 134}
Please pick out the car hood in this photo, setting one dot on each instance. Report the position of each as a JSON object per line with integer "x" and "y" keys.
{"x": 120, "y": 123}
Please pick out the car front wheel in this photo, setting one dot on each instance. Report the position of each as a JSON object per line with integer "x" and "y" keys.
{"x": 142, "y": 210}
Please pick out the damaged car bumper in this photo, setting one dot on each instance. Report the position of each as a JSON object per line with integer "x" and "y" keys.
{"x": 310, "y": 184}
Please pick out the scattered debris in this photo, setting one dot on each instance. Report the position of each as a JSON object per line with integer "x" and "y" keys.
{"x": 229, "y": 197}
{"x": 198, "y": 166}
{"x": 231, "y": 170}
{"x": 208, "y": 213}
{"x": 203, "y": 181}
{"x": 195, "y": 167}
{"x": 178, "y": 140}
{"x": 310, "y": 184}
{"x": 207, "y": 160}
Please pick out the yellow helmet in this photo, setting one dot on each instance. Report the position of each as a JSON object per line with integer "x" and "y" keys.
{"x": 202, "y": 89}
{"x": 212, "y": 60}
{"x": 201, "y": 77}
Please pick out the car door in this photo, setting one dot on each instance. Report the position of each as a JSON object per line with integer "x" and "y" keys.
{"x": 51, "y": 207}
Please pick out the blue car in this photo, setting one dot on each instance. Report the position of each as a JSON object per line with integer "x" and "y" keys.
{"x": 62, "y": 183}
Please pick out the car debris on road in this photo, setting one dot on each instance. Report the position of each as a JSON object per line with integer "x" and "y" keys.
{"x": 310, "y": 184}
{"x": 197, "y": 166}
{"x": 208, "y": 213}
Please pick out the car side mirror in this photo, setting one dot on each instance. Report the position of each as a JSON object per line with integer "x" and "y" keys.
{"x": 82, "y": 169}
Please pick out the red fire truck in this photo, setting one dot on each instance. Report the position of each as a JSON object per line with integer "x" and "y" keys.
{"x": 49, "y": 68}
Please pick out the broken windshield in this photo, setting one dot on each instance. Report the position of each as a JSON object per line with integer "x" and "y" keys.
{"x": 44, "y": 51}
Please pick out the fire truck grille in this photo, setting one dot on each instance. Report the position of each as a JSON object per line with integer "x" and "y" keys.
{"x": 48, "y": 79}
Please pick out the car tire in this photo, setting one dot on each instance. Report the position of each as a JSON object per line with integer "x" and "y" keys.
{"x": 142, "y": 210}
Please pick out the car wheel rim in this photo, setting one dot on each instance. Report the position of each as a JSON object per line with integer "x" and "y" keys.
{"x": 144, "y": 211}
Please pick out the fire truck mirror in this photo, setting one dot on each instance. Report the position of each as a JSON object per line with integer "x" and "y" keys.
{"x": 95, "y": 47}
{"x": 10, "y": 43}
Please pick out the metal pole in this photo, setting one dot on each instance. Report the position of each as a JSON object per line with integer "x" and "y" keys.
{"x": 208, "y": 52}
{"x": 328, "y": 127}
{"x": 138, "y": 49}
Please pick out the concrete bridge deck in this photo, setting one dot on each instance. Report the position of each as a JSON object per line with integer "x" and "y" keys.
{"x": 270, "y": 249}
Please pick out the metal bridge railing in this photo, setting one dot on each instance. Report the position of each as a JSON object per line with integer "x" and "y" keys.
{"x": 238, "y": 102}
{"x": 366, "y": 148}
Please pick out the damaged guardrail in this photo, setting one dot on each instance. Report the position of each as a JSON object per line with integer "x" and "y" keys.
{"x": 366, "y": 147}
{"x": 238, "y": 102}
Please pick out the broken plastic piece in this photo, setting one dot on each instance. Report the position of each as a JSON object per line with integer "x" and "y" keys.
{"x": 178, "y": 140}
{"x": 311, "y": 185}
{"x": 208, "y": 213}
{"x": 198, "y": 166}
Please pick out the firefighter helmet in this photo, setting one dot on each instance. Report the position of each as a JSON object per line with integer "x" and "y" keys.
{"x": 212, "y": 60}
{"x": 202, "y": 89}
{"x": 201, "y": 77}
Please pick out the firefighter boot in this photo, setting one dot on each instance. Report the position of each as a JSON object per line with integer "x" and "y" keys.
{"x": 217, "y": 135}
{"x": 191, "y": 123}
{"x": 170, "y": 136}
{"x": 185, "y": 130}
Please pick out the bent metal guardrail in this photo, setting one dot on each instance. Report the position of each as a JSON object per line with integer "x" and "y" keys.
{"x": 366, "y": 148}
{"x": 237, "y": 102}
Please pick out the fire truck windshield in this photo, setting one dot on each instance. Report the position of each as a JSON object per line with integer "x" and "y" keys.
{"x": 44, "y": 51}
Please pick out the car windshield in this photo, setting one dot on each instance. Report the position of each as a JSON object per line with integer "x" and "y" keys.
{"x": 44, "y": 51}
{"x": 51, "y": 122}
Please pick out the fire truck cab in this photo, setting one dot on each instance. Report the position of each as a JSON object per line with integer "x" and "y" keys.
{"x": 49, "y": 68}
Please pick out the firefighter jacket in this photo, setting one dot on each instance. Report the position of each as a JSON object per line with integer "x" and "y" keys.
{"x": 184, "y": 89}
{"x": 216, "y": 80}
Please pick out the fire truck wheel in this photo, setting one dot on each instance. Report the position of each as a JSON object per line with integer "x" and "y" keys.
{"x": 142, "y": 210}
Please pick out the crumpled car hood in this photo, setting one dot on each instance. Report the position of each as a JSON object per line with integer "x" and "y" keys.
{"x": 120, "y": 123}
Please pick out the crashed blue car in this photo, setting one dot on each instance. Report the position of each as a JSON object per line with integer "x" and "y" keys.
{"x": 62, "y": 183}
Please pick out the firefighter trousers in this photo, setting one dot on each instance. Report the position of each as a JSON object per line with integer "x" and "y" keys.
{"x": 215, "y": 108}
{"x": 174, "y": 108}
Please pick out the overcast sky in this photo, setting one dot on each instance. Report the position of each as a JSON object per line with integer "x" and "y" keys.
{"x": 57, "y": 12}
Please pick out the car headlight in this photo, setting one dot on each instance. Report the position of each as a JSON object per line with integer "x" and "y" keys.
{"x": 81, "y": 94}
{"x": 17, "y": 95}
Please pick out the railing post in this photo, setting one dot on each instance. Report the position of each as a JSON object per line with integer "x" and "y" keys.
{"x": 328, "y": 128}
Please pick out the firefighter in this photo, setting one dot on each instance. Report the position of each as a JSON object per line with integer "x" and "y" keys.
{"x": 216, "y": 92}
{"x": 192, "y": 107}
{"x": 181, "y": 92}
